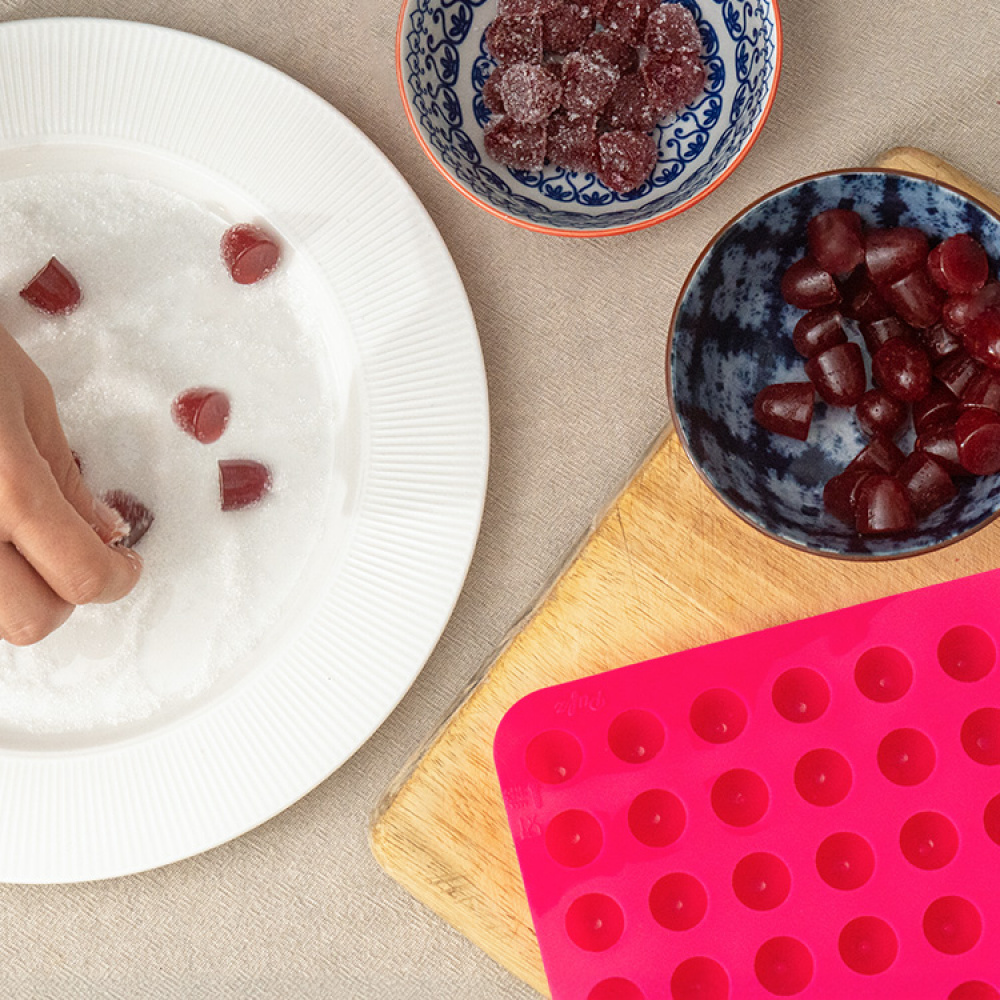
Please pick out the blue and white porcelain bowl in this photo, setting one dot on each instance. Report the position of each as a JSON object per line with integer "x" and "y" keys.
{"x": 442, "y": 65}
{"x": 731, "y": 335}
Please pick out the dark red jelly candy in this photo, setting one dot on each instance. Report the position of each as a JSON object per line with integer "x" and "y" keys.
{"x": 242, "y": 482}
{"x": 671, "y": 27}
{"x": 53, "y": 290}
{"x": 840, "y": 495}
{"x": 630, "y": 106}
{"x": 202, "y": 412}
{"x": 957, "y": 371}
{"x": 977, "y": 433}
{"x": 607, "y": 47}
{"x": 785, "y": 408}
{"x": 959, "y": 265}
{"x": 939, "y": 342}
{"x": 891, "y": 254}
{"x": 806, "y": 285}
{"x": 983, "y": 391}
{"x": 492, "y": 97}
{"x": 835, "y": 241}
{"x": 880, "y": 331}
{"x": 939, "y": 406}
{"x": 883, "y": 507}
{"x": 982, "y": 338}
{"x": 136, "y": 515}
{"x": 526, "y": 8}
{"x": 903, "y": 369}
{"x": 940, "y": 442}
{"x": 250, "y": 253}
{"x": 627, "y": 159}
{"x": 838, "y": 374}
{"x": 878, "y": 413}
{"x": 530, "y": 92}
{"x": 881, "y": 454}
{"x": 566, "y": 28}
{"x": 511, "y": 39}
{"x": 515, "y": 144}
{"x": 572, "y": 142}
{"x": 673, "y": 80}
{"x": 818, "y": 330}
{"x": 861, "y": 299}
{"x": 627, "y": 18}
{"x": 959, "y": 310}
{"x": 587, "y": 84}
{"x": 926, "y": 482}
{"x": 916, "y": 299}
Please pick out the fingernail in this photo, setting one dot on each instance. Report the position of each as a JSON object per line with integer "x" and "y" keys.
{"x": 133, "y": 557}
{"x": 110, "y": 525}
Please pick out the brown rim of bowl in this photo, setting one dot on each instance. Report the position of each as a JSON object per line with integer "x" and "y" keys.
{"x": 618, "y": 230}
{"x": 676, "y": 426}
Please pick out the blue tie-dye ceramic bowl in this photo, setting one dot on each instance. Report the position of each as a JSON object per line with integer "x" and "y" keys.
{"x": 731, "y": 335}
{"x": 442, "y": 65}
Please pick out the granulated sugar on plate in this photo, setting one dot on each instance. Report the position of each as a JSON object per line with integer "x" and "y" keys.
{"x": 160, "y": 314}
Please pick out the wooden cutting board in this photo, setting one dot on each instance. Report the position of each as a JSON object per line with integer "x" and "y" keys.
{"x": 667, "y": 567}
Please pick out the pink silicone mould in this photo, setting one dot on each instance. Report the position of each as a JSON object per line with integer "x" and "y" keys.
{"x": 809, "y": 810}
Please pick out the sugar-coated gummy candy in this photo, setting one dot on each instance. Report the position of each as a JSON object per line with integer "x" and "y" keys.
{"x": 806, "y": 285}
{"x": 959, "y": 264}
{"x": 572, "y": 142}
{"x": 607, "y": 47}
{"x": 566, "y": 28}
{"x": 587, "y": 84}
{"x": 891, "y": 254}
{"x": 526, "y": 8}
{"x": 901, "y": 367}
{"x": 515, "y": 144}
{"x": 926, "y": 481}
{"x": 627, "y": 159}
{"x": 785, "y": 408}
{"x": 628, "y": 17}
{"x": 492, "y": 97}
{"x": 511, "y": 39}
{"x": 879, "y": 413}
{"x": 818, "y": 330}
{"x": 671, "y": 27}
{"x": 137, "y": 516}
{"x": 674, "y": 80}
{"x": 835, "y": 240}
{"x": 202, "y": 412}
{"x": 53, "y": 289}
{"x": 838, "y": 373}
{"x": 250, "y": 253}
{"x": 243, "y": 482}
{"x": 530, "y": 92}
{"x": 915, "y": 298}
{"x": 883, "y": 507}
{"x": 630, "y": 106}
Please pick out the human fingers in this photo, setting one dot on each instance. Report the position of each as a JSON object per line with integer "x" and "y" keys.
{"x": 29, "y": 610}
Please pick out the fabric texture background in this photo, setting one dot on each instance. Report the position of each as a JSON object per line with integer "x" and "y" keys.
{"x": 573, "y": 333}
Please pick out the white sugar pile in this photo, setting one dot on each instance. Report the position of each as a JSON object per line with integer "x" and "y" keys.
{"x": 160, "y": 314}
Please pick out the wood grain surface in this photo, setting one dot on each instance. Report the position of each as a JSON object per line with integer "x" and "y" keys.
{"x": 667, "y": 567}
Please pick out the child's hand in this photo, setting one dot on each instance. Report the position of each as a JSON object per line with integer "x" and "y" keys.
{"x": 54, "y": 535}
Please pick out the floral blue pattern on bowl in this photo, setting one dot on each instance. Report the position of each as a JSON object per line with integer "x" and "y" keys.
{"x": 732, "y": 335}
{"x": 443, "y": 65}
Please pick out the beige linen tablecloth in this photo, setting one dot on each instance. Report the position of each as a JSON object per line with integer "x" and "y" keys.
{"x": 573, "y": 334}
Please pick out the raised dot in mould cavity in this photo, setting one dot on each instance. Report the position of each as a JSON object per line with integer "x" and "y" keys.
{"x": 657, "y": 817}
{"x": 718, "y": 716}
{"x": 761, "y": 881}
{"x": 906, "y": 757}
{"x": 883, "y": 674}
{"x": 991, "y": 819}
{"x": 574, "y": 838}
{"x": 845, "y": 861}
{"x": 740, "y": 797}
{"x": 678, "y": 901}
{"x": 553, "y": 757}
{"x": 823, "y": 777}
{"x": 868, "y": 945}
{"x": 952, "y": 925}
{"x": 966, "y": 653}
{"x": 594, "y": 922}
{"x": 929, "y": 840}
{"x": 801, "y": 695}
{"x": 784, "y": 966}
{"x": 636, "y": 736}
{"x": 981, "y": 736}
{"x": 616, "y": 988}
{"x": 699, "y": 978}
{"x": 974, "y": 989}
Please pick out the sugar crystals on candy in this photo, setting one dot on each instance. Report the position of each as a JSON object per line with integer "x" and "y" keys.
{"x": 516, "y": 144}
{"x": 671, "y": 28}
{"x": 515, "y": 39}
{"x": 572, "y": 142}
{"x": 530, "y": 92}
{"x": 627, "y": 158}
{"x": 566, "y": 28}
{"x": 587, "y": 84}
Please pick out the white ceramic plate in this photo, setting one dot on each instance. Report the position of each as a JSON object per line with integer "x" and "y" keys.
{"x": 225, "y": 129}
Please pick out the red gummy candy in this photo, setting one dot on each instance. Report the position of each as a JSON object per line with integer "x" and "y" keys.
{"x": 835, "y": 241}
{"x": 511, "y": 39}
{"x": 861, "y": 298}
{"x": 806, "y": 285}
{"x": 883, "y": 507}
{"x": 960, "y": 310}
{"x": 627, "y": 159}
{"x": 53, "y": 289}
{"x": 515, "y": 144}
{"x": 242, "y": 483}
{"x": 940, "y": 443}
{"x": 492, "y": 97}
{"x": 674, "y": 80}
{"x": 940, "y": 406}
{"x": 818, "y": 330}
{"x": 838, "y": 374}
{"x": 628, "y": 17}
{"x": 785, "y": 408}
{"x": 981, "y": 338}
{"x": 526, "y": 8}
{"x": 840, "y": 495}
{"x": 572, "y": 142}
{"x": 902, "y": 369}
{"x": 926, "y": 482}
{"x": 959, "y": 265}
{"x": 630, "y": 106}
{"x": 587, "y": 84}
{"x": 202, "y": 412}
{"x": 983, "y": 391}
{"x": 607, "y": 47}
{"x": 566, "y": 28}
{"x": 671, "y": 27}
{"x": 878, "y": 332}
{"x": 977, "y": 433}
{"x": 939, "y": 342}
{"x": 881, "y": 454}
{"x": 957, "y": 371}
{"x": 530, "y": 92}
{"x": 136, "y": 515}
{"x": 891, "y": 254}
{"x": 916, "y": 299}
{"x": 879, "y": 413}
{"x": 250, "y": 253}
